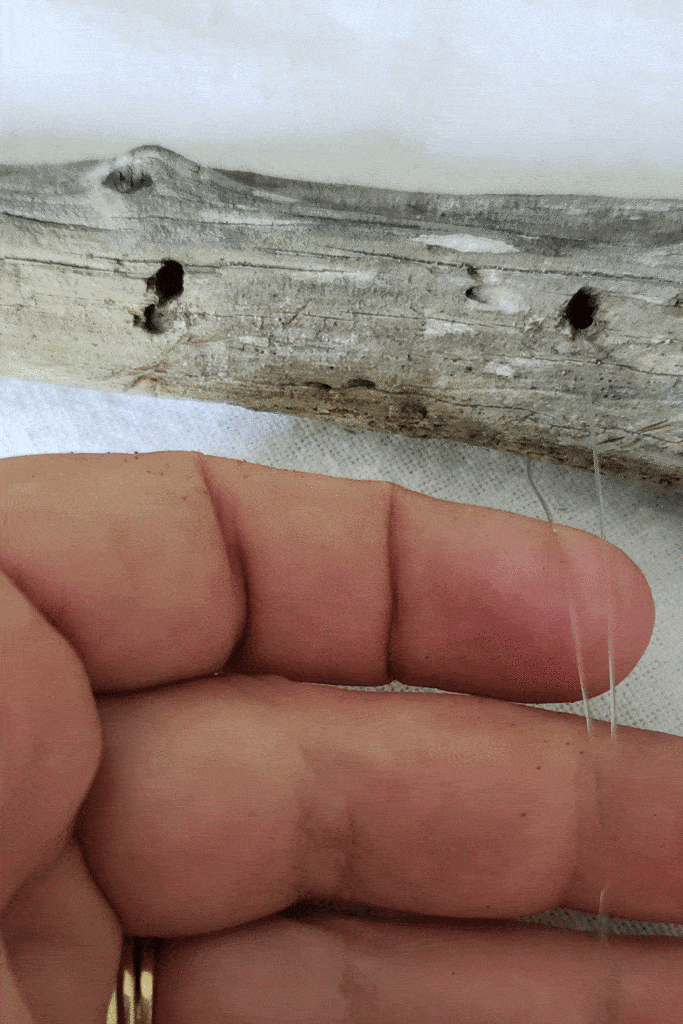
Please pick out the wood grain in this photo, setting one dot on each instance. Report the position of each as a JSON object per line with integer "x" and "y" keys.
{"x": 414, "y": 313}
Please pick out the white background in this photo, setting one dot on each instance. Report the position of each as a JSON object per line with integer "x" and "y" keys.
{"x": 448, "y": 95}
{"x": 498, "y": 95}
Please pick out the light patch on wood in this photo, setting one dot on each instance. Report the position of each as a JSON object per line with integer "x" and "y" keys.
{"x": 499, "y": 369}
{"x": 467, "y": 243}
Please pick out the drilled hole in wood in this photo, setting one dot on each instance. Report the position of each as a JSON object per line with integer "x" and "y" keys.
{"x": 581, "y": 309}
{"x": 168, "y": 281}
{"x": 168, "y": 284}
{"x": 147, "y": 320}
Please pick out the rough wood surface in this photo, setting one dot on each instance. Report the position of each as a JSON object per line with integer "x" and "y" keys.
{"x": 422, "y": 314}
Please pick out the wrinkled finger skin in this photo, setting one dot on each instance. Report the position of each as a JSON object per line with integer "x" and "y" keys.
{"x": 223, "y": 801}
{"x": 173, "y": 566}
{"x": 174, "y": 769}
{"x": 334, "y": 969}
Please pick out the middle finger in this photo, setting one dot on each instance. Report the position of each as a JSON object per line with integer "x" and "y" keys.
{"x": 226, "y": 800}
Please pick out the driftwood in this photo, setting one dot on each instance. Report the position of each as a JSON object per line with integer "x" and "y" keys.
{"x": 487, "y": 319}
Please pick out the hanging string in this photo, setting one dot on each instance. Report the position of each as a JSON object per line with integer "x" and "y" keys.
{"x": 580, "y": 314}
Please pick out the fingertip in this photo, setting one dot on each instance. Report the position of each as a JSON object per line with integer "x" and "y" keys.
{"x": 613, "y": 610}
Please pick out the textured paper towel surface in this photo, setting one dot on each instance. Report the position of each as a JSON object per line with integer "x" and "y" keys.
{"x": 646, "y": 523}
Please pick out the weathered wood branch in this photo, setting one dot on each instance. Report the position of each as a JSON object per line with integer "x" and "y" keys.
{"x": 479, "y": 318}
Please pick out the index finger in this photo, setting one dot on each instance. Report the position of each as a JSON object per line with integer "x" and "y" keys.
{"x": 174, "y": 565}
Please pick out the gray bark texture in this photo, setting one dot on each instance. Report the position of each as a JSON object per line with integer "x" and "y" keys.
{"x": 525, "y": 323}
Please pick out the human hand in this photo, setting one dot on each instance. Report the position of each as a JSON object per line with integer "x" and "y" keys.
{"x": 171, "y": 769}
